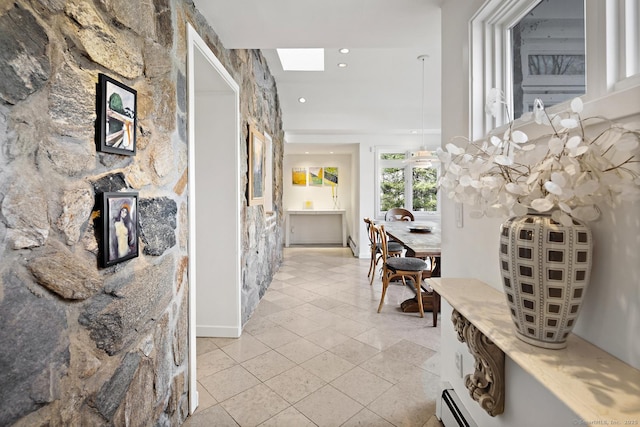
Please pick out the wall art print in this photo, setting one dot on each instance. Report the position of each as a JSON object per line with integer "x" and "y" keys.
{"x": 119, "y": 227}
{"x": 299, "y": 176}
{"x": 315, "y": 176}
{"x": 117, "y": 117}
{"x": 256, "y": 167}
{"x": 330, "y": 175}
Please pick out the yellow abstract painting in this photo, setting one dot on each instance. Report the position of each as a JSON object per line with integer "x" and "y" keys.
{"x": 299, "y": 176}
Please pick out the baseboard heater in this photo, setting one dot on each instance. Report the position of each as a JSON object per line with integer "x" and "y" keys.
{"x": 454, "y": 413}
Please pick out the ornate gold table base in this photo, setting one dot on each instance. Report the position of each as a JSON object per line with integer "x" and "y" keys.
{"x": 486, "y": 384}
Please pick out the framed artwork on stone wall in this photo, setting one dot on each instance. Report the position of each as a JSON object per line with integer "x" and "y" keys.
{"x": 117, "y": 117}
{"x": 256, "y": 167}
{"x": 119, "y": 227}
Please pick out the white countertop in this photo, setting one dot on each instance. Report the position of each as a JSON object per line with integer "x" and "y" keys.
{"x": 315, "y": 211}
{"x": 597, "y": 386}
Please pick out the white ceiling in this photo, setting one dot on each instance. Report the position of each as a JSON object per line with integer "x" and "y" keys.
{"x": 379, "y": 93}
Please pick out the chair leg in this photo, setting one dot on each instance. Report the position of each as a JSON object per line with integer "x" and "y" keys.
{"x": 373, "y": 272}
{"x": 371, "y": 269}
{"x": 418, "y": 282}
{"x": 385, "y": 283}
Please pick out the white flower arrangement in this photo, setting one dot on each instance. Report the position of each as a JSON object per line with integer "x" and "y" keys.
{"x": 566, "y": 172}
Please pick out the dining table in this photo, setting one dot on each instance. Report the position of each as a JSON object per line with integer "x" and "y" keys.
{"x": 421, "y": 239}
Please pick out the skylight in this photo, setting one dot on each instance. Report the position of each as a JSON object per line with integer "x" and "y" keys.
{"x": 301, "y": 59}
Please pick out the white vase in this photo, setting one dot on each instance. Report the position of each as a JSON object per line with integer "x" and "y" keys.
{"x": 545, "y": 268}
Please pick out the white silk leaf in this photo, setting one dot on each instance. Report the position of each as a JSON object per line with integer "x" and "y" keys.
{"x": 542, "y": 205}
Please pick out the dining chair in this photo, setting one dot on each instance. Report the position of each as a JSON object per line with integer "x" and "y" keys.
{"x": 394, "y": 249}
{"x": 429, "y": 296}
{"x": 399, "y": 267}
{"x": 399, "y": 214}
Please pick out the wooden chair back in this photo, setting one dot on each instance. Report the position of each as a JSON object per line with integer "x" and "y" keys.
{"x": 399, "y": 214}
{"x": 381, "y": 236}
{"x": 372, "y": 237}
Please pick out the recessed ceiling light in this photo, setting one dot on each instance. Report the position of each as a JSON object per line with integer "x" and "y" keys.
{"x": 342, "y": 65}
{"x": 344, "y": 50}
{"x": 330, "y": 152}
{"x": 306, "y": 152}
{"x": 302, "y": 100}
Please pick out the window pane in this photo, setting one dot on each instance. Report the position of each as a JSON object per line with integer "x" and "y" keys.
{"x": 546, "y": 65}
{"x": 548, "y": 55}
{"x": 392, "y": 156}
{"x": 424, "y": 189}
{"x": 391, "y": 188}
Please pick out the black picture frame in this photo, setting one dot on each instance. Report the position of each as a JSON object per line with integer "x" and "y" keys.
{"x": 119, "y": 233}
{"x": 117, "y": 117}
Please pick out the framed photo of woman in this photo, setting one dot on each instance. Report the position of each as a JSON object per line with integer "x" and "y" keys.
{"x": 119, "y": 227}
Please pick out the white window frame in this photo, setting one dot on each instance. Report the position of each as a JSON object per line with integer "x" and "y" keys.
{"x": 408, "y": 177}
{"x": 612, "y": 49}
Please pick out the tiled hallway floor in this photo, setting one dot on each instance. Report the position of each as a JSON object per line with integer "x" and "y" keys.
{"x": 315, "y": 352}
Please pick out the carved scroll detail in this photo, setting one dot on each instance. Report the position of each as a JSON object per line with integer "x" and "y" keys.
{"x": 486, "y": 384}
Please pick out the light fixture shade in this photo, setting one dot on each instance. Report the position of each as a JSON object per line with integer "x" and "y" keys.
{"x": 421, "y": 155}
{"x": 422, "y": 158}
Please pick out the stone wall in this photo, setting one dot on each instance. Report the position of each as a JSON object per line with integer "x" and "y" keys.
{"x": 81, "y": 344}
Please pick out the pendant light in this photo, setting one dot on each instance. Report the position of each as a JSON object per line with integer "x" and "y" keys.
{"x": 422, "y": 158}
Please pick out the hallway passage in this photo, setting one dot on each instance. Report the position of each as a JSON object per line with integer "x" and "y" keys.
{"x": 316, "y": 352}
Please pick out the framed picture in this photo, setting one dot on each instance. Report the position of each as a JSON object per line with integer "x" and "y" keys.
{"x": 299, "y": 176}
{"x": 117, "y": 105}
{"x": 256, "y": 167}
{"x": 330, "y": 176}
{"x": 119, "y": 227}
{"x": 315, "y": 176}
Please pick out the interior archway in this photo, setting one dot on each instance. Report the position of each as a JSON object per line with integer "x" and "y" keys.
{"x": 214, "y": 201}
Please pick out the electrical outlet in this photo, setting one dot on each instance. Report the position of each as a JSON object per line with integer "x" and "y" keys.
{"x": 459, "y": 363}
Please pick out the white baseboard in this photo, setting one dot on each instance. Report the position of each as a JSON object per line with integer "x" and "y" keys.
{"x": 218, "y": 331}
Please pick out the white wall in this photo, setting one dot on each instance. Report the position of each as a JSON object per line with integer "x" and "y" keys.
{"x": 367, "y": 196}
{"x": 217, "y": 299}
{"x": 610, "y": 317}
{"x": 295, "y": 196}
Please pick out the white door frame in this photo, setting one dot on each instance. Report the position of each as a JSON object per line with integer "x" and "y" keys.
{"x": 230, "y": 275}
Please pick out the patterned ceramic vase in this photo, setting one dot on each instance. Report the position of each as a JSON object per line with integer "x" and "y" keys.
{"x": 545, "y": 268}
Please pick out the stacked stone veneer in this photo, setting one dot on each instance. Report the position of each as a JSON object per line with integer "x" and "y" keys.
{"x": 80, "y": 344}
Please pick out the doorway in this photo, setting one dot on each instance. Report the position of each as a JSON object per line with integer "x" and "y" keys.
{"x": 214, "y": 201}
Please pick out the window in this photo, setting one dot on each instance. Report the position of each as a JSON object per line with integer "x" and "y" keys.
{"x": 548, "y": 52}
{"x": 402, "y": 185}
{"x": 622, "y": 22}
{"x": 611, "y": 58}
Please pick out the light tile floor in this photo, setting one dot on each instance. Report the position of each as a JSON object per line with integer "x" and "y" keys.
{"x": 316, "y": 353}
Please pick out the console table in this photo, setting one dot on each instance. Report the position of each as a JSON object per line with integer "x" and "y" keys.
{"x": 597, "y": 386}
{"x": 290, "y": 213}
